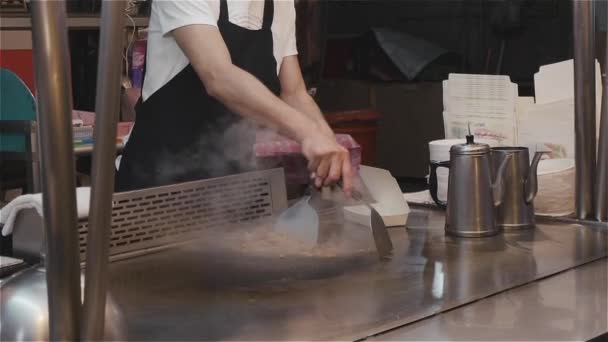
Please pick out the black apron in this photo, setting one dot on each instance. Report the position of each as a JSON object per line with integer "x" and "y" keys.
{"x": 182, "y": 134}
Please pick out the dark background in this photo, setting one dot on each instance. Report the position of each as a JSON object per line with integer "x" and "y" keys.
{"x": 540, "y": 34}
{"x": 536, "y": 32}
{"x": 330, "y": 43}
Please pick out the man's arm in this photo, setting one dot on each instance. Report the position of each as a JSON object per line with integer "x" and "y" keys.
{"x": 244, "y": 94}
{"x": 240, "y": 91}
{"x": 294, "y": 93}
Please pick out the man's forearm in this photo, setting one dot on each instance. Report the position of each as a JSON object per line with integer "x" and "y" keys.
{"x": 244, "y": 94}
{"x": 302, "y": 102}
{"x": 237, "y": 89}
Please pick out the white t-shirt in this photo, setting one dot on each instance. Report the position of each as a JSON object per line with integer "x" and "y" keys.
{"x": 165, "y": 59}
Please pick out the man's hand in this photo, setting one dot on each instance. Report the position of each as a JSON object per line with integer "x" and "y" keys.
{"x": 328, "y": 161}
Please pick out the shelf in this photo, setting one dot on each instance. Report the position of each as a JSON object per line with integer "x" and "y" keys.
{"x": 76, "y": 22}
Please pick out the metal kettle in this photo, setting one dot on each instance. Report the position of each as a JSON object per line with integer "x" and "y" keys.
{"x": 521, "y": 184}
{"x": 474, "y": 191}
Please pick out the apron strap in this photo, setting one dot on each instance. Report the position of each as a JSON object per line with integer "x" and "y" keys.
{"x": 223, "y": 11}
{"x": 268, "y": 14}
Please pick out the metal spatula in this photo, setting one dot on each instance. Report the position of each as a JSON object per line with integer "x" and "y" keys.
{"x": 300, "y": 221}
{"x": 383, "y": 242}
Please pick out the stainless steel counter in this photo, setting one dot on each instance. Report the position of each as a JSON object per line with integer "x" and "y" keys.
{"x": 570, "y": 306}
{"x": 263, "y": 288}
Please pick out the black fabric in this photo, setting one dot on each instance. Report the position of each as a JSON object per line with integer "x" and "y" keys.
{"x": 183, "y": 134}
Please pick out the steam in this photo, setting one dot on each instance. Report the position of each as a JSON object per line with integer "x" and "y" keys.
{"x": 221, "y": 150}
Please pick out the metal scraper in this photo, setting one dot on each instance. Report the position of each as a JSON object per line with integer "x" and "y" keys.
{"x": 300, "y": 221}
{"x": 382, "y": 240}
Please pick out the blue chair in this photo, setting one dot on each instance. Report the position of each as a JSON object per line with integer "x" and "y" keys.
{"x": 17, "y": 134}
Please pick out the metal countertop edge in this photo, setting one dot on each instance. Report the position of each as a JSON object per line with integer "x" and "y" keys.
{"x": 396, "y": 326}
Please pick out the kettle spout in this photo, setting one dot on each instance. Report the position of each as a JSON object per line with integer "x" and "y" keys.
{"x": 531, "y": 184}
{"x": 498, "y": 188}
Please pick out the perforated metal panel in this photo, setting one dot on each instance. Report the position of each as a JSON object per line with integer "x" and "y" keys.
{"x": 171, "y": 214}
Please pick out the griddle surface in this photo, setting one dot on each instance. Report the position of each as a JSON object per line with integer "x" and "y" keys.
{"x": 232, "y": 286}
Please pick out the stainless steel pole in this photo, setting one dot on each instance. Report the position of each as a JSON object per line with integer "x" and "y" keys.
{"x": 107, "y": 107}
{"x": 54, "y": 108}
{"x": 601, "y": 194}
{"x": 35, "y": 165}
{"x": 584, "y": 102}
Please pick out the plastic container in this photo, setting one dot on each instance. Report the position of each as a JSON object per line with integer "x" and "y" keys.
{"x": 555, "y": 187}
{"x": 273, "y": 150}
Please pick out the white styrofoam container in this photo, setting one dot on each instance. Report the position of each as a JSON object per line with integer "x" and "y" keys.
{"x": 556, "y": 179}
{"x": 385, "y": 190}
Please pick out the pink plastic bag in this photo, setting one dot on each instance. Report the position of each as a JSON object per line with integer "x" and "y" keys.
{"x": 88, "y": 123}
{"x": 273, "y": 150}
{"x": 88, "y": 118}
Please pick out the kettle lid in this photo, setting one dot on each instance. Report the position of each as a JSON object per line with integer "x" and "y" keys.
{"x": 470, "y": 147}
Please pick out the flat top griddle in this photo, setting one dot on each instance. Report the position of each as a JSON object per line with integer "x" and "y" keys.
{"x": 252, "y": 285}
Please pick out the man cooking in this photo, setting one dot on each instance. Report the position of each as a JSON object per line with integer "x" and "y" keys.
{"x": 213, "y": 69}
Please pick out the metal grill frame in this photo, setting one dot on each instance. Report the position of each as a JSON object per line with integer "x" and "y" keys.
{"x": 155, "y": 218}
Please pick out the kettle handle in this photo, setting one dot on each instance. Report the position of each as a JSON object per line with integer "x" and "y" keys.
{"x": 433, "y": 186}
{"x": 531, "y": 183}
